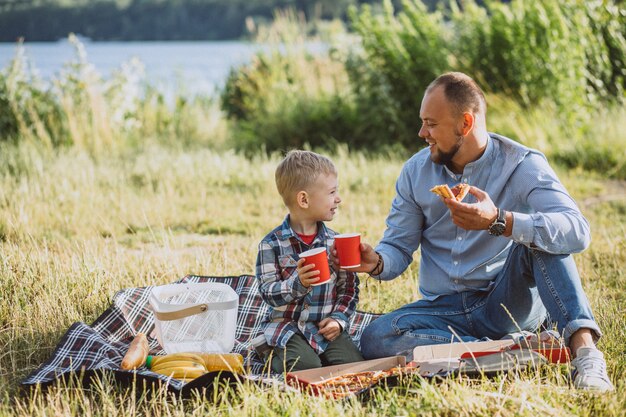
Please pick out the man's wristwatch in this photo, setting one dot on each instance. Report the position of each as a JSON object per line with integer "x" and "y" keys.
{"x": 499, "y": 224}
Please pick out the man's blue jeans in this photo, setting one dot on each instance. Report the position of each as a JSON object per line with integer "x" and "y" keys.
{"x": 533, "y": 286}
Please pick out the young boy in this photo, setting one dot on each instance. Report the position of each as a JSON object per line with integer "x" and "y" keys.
{"x": 307, "y": 326}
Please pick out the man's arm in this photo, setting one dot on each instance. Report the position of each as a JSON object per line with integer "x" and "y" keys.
{"x": 275, "y": 291}
{"x": 404, "y": 229}
{"x": 556, "y": 226}
{"x": 402, "y": 237}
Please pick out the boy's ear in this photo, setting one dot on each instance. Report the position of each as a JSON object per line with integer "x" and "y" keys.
{"x": 302, "y": 199}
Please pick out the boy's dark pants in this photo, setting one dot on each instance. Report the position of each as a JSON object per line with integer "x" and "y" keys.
{"x": 299, "y": 355}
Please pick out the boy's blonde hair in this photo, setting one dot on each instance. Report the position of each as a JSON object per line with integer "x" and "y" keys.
{"x": 298, "y": 170}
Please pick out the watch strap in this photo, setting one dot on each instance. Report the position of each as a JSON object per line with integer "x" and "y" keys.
{"x": 501, "y": 216}
{"x": 498, "y": 226}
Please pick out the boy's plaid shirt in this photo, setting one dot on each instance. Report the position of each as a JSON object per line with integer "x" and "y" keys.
{"x": 293, "y": 307}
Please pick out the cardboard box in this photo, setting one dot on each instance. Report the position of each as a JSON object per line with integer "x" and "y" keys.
{"x": 314, "y": 379}
{"x": 445, "y": 358}
{"x": 455, "y": 350}
{"x": 431, "y": 360}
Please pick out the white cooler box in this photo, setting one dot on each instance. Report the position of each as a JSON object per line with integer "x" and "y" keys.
{"x": 195, "y": 317}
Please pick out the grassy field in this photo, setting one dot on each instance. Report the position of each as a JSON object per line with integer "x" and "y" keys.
{"x": 75, "y": 228}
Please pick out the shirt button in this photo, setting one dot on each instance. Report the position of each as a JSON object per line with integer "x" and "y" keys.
{"x": 465, "y": 180}
{"x": 459, "y": 238}
{"x": 456, "y": 262}
{"x": 456, "y": 281}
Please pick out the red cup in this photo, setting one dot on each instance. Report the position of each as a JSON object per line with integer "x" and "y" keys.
{"x": 319, "y": 257}
{"x": 348, "y": 247}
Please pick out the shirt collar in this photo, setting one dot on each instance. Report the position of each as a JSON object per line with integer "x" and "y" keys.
{"x": 287, "y": 232}
{"x": 485, "y": 157}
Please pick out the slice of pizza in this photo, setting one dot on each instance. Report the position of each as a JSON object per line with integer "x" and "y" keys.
{"x": 460, "y": 191}
{"x": 442, "y": 191}
{"x": 457, "y": 192}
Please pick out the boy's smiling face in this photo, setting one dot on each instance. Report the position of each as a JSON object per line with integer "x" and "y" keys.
{"x": 323, "y": 198}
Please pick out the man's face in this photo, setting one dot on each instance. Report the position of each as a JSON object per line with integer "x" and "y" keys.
{"x": 440, "y": 127}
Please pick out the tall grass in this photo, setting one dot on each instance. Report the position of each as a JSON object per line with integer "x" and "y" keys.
{"x": 78, "y": 107}
{"x": 75, "y": 230}
{"x": 101, "y": 191}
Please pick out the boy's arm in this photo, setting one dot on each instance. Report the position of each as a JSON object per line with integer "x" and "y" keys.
{"x": 275, "y": 291}
{"x": 347, "y": 286}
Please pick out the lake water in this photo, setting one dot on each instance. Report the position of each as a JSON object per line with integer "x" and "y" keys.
{"x": 200, "y": 67}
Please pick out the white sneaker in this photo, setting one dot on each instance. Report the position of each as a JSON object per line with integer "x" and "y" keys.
{"x": 589, "y": 370}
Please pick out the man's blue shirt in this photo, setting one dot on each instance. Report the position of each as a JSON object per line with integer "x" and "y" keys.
{"x": 518, "y": 179}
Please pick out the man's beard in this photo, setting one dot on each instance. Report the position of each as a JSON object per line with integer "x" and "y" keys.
{"x": 445, "y": 158}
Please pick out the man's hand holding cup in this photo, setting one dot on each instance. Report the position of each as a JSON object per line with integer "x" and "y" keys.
{"x": 369, "y": 258}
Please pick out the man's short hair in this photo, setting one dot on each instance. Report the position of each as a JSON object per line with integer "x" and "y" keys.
{"x": 298, "y": 170}
{"x": 462, "y": 91}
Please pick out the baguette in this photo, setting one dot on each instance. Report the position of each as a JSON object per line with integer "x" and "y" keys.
{"x": 137, "y": 353}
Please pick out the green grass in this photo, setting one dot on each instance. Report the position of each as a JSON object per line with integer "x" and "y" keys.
{"x": 74, "y": 229}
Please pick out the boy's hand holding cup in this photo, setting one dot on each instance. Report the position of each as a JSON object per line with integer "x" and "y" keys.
{"x": 313, "y": 267}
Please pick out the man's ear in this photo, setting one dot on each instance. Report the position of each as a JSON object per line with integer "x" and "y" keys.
{"x": 468, "y": 123}
{"x": 302, "y": 199}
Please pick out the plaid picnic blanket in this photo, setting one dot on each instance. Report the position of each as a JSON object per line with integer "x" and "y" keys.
{"x": 90, "y": 350}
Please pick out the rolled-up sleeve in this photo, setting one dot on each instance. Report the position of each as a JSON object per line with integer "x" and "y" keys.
{"x": 555, "y": 224}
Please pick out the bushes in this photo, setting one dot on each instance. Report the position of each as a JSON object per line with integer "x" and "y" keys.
{"x": 606, "y": 48}
{"x": 289, "y": 101}
{"x": 288, "y": 97}
{"x": 532, "y": 51}
{"x": 402, "y": 54}
{"x": 529, "y": 50}
{"x": 566, "y": 54}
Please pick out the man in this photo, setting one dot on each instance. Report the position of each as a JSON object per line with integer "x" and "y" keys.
{"x": 499, "y": 261}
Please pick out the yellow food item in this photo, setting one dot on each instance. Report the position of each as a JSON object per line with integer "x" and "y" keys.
{"x": 190, "y": 372}
{"x": 232, "y": 362}
{"x": 184, "y": 366}
{"x": 137, "y": 353}
{"x": 178, "y": 364}
{"x": 175, "y": 363}
{"x": 442, "y": 191}
{"x": 154, "y": 361}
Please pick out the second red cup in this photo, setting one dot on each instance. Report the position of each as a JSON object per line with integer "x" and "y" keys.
{"x": 319, "y": 257}
{"x": 348, "y": 247}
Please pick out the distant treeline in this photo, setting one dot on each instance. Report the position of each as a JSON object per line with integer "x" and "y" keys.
{"x": 154, "y": 19}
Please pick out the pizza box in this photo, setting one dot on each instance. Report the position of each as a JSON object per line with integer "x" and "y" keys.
{"x": 443, "y": 359}
{"x": 313, "y": 380}
{"x": 455, "y": 350}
